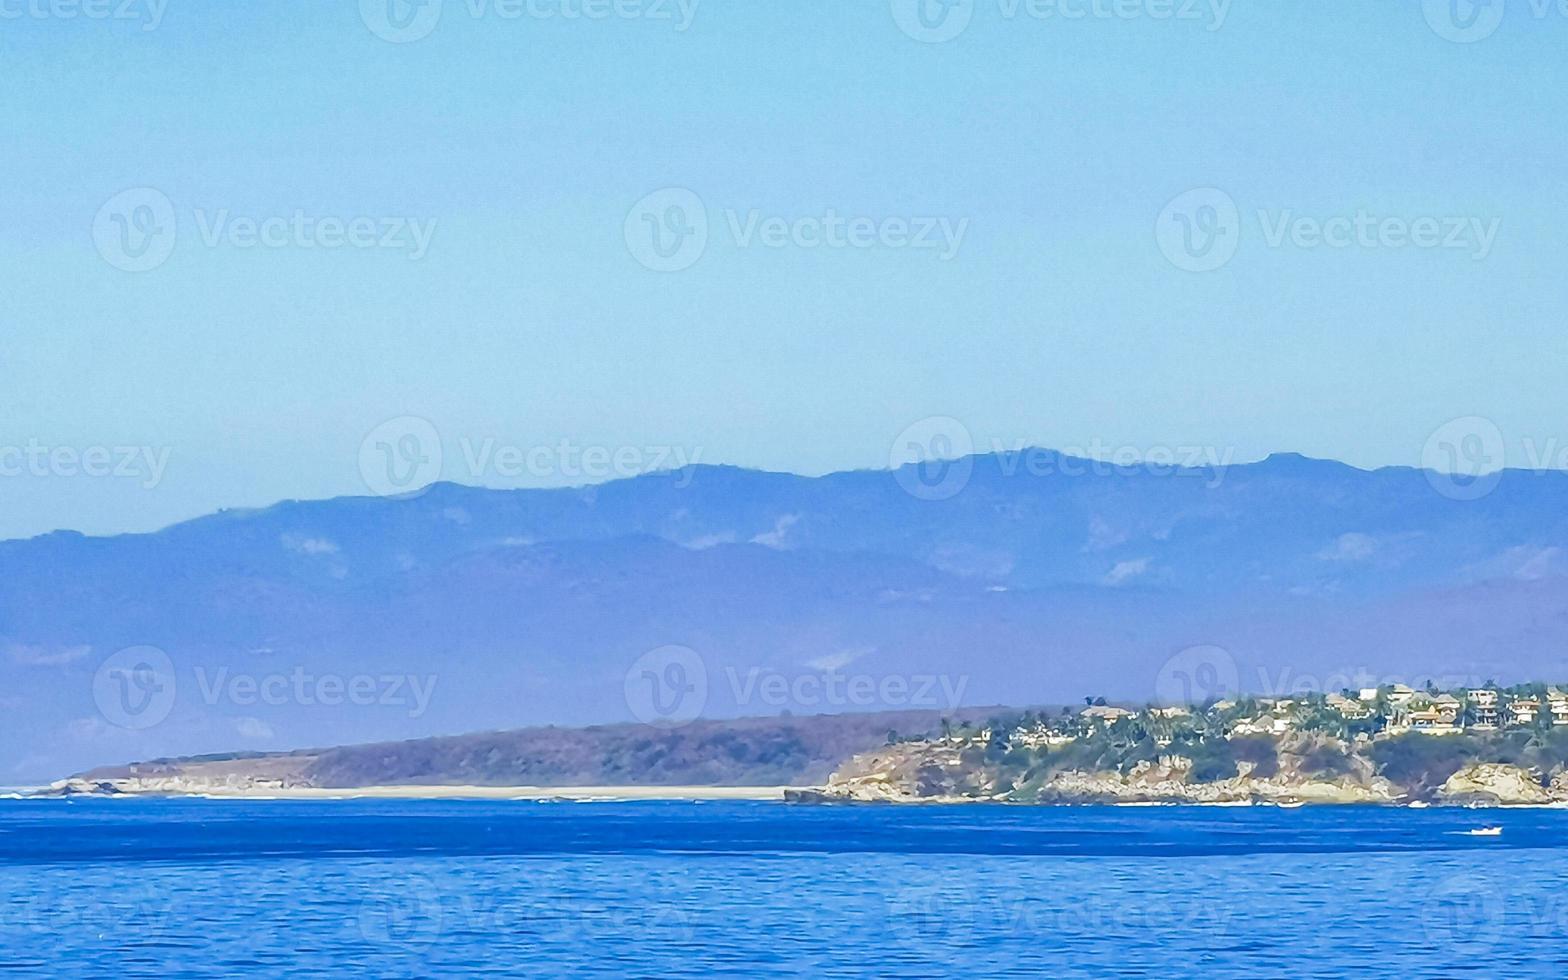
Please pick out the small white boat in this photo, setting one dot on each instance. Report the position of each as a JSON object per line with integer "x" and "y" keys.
{"x": 1417, "y": 804}
{"x": 1485, "y": 832}
{"x": 1291, "y": 805}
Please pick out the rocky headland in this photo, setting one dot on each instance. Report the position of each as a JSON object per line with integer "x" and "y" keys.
{"x": 934, "y": 773}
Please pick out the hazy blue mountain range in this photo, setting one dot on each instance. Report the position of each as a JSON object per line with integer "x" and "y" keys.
{"x": 513, "y": 608}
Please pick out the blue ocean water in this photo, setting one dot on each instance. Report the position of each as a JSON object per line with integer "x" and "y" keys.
{"x": 193, "y": 888}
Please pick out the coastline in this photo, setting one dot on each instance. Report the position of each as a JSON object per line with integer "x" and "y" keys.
{"x": 800, "y": 795}
{"x": 577, "y": 794}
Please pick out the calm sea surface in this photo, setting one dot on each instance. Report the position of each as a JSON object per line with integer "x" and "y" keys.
{"x": 219, "y": 888}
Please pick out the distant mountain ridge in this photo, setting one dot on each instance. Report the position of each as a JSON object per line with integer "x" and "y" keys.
{"x": 1041, "y": 578}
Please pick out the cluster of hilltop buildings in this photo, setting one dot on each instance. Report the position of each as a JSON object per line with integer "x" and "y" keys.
{"x": 1481, "y": 709}
{"x": 1391, "y": 710}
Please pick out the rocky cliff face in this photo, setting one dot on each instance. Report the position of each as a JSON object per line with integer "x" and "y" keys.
{"x": 1491, "y": 784}
{"x": 914, "y": 772}
{"x": 245, "y": 777}
{"x": 917, "y": 774}
{"x": 1172, "y": 783}
{"x": 929, "y": 773}
{"x": 172, "y": 786}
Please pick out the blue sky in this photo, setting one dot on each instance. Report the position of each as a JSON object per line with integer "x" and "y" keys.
{"x": 522, "y": 146}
